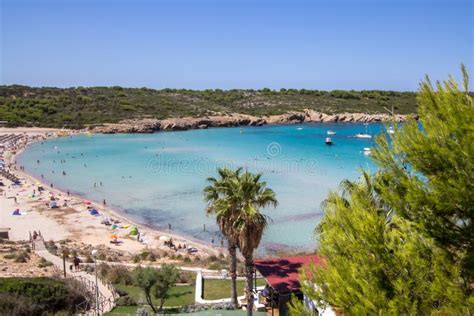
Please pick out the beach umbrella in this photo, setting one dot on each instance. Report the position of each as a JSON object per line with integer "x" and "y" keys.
{"x": 113, "y": 236}
{"x": 114, "y": 226}
{"x": 87, "y": 202}
{"x": 133, "y": 231}
{"x": 94, "y": 212}
{"x": 165, "y": 238}
{"x": 16, "y": 212}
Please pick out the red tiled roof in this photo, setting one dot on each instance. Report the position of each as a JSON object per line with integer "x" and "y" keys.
{"x": 282, "y": 273}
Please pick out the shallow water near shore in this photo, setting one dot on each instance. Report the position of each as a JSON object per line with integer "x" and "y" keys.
{"x": 157, "y": 179}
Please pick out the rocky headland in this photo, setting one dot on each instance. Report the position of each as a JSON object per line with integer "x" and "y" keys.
{"x": 150, "y": 125}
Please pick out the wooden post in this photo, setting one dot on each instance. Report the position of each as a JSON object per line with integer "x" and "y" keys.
{"x": 64, "y": 263}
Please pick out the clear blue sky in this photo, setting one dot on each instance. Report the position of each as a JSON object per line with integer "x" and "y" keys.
{"x": 199, "y": 44}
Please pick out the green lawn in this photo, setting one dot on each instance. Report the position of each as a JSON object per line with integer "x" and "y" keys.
{"x": 217, "y": 289}
{"x": 132, "y": 310}
{"x": 123, "y": 310}
{"x": 180, "y": 295}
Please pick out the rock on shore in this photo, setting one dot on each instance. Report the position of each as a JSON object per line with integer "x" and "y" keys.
{"x": 150, "y": 125}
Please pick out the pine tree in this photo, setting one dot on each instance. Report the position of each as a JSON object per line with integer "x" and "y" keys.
{"x": 400, "y": 241}
{"x": 427, "y": 169}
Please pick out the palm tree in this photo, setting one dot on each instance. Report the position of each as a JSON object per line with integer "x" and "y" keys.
{"x": 249, "y": 223}
{"x": 222, "y": 203}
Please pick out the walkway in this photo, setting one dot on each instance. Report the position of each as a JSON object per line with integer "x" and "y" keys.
{"x": 106, "y": 293}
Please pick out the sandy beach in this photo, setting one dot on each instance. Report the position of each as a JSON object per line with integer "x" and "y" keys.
{"x": 72, "y": 219}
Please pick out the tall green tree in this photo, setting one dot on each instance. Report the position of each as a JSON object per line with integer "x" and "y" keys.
{"x": 400, "y": 241}
{"x": 236, "y": 199}
{"x": 166, "y": 279}
{"x": 146, "y": 278}
{"x": 222, "y": 203}
{"x": 428, "y": 168}
{"x": 378, "y": 262}
{"x": 250, "y": 223}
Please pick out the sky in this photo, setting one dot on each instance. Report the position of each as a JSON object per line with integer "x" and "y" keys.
{"x": 201, "y": 44}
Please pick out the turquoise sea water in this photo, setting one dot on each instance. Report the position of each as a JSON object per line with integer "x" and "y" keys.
{"x": 157, "y": 179}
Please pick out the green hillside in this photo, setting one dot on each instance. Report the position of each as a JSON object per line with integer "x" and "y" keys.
{"x": 79, "y": 107}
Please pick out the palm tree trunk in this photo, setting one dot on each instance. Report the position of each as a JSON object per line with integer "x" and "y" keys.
{"x": 233, "y": 274}
{"x": 249, "y": 287}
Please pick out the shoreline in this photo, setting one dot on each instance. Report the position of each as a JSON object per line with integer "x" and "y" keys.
{"x": 76, "y": 201}
{"x": 110, "y": 211}
{"x": 150, "y": 125}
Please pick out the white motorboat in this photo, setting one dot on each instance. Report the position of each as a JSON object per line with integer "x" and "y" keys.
{"x": 367, "y": 151}
{"x": 391, "y": 130}
{"x": 328, "y": 141}
{"x": 329, "y": 132}
{"x": 365, "y": 135}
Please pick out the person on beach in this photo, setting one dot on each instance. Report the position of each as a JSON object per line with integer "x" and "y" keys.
{"x": 204, "y": 227}
{"x": 67, "y": 192}
{"x": 76, "y": 262}
{"x": 95, "y": 185}
{"x": 64, "y": 173}
{"x": 169, "y": 226}
{"x": 104, "y": 202}
{"x": 100, "y": 183}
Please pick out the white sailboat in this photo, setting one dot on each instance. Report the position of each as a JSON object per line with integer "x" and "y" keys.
{"x": 365, "y": 135}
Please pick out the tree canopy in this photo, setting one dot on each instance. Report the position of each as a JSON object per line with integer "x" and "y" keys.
{"x": 400, "y": 241}
{"x": 82, "y": 106}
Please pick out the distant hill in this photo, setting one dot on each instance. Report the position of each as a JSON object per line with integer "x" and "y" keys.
{"x": 79, "y": 107}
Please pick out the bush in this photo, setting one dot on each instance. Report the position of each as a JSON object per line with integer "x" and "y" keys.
{"x": 119, "y": 275}
{"x": 126, "y": 300}
{"x": 44, "y": 263}
{"x": 22, "y": 257}
{"x": 186, "y": 277}
{"x": 41, "y": 295}
{"x": 51, "y": 247}
{"x": 14, "y": 304}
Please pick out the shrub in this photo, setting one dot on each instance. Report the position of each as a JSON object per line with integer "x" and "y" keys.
{"x": 186, "y": 277}
{"x": 126, "y": 300}
{"x": 119, "y": 275}
{"x": 42, "y": 295}
{"x": 51, "y": 247}
{"x": 14, "y": 304}
{"x": 22, "y": 257}
{"x": 88, "y": 259}
{"x": 44, "y": 263}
